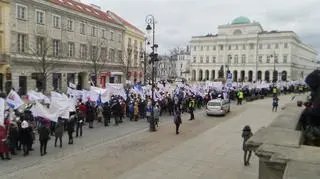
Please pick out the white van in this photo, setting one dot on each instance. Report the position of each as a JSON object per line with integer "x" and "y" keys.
{"x": 218, "y": 107}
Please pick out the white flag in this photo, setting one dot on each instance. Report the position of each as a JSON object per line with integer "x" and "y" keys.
{"x": 14, "y": 100}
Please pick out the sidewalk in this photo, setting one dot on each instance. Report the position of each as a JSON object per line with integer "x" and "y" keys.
{"x": 216, "y": 153}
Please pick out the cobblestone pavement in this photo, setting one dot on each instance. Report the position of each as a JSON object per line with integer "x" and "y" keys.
{"x": 129, "y": 151}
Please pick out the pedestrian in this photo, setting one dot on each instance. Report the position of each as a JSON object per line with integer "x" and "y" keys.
{"x": 79, "y": 122}
{"x": 4, "y": 144}
{"x": 156, "y": 114}
{"x": 246, "y": 134}
{"x": 70, "y": 126}
{"x": 106, "y": 113}
{"x": 44, "y": 136}
{"x": 59, "y": 132}
{"x": 275, "y": 103}
{"x": 177, "y": 121}
{"x": 192, "y": 104}
{"x": 25, "y": 137}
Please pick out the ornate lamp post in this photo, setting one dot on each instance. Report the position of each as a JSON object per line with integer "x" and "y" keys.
{"x": 154, "y": 57}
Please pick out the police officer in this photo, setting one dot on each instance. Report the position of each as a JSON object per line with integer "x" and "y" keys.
{"x": 192, "y": 104}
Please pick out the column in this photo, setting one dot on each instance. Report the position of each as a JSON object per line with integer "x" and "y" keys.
{"x": 31, "y": 83}
{"x": 49, "y": 83}
{"x": 15, "y": 80}
{"x": 85, "y": 81}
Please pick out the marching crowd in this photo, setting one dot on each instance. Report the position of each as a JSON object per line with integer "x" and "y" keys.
{"x": 20, "y": 129}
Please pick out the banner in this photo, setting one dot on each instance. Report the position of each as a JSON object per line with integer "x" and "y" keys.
{"x": 2, "y": 111}
{"x": 38, "y": 110}
{"x": 14, "y": 100}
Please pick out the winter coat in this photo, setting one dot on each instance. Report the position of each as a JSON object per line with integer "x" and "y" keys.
{"x": 59, "y": 130}
{"x": 136, "y": 110}
{"x": 156, "y": 112}
{"x": 44, "y": 133}
{"x": 26, "y": 135}
{"x": 4, "y": 148}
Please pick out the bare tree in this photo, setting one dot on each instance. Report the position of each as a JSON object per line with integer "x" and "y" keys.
{"x": 98, "y": 57}
{"x": 45, "y": 58}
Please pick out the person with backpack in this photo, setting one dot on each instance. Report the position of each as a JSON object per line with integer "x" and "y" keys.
{"x": 246, "y": 134}
{"x": 275, "y": 103}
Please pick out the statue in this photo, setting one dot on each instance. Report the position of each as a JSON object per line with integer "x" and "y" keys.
{"x": 310, "y": 117}
{"x": 220, "y": 72}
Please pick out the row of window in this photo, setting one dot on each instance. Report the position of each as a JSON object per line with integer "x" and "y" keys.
{"x": 43, "y": 46}
{"x": 243, "y": 59}
{"x": 70, "y": 26}
{"x": 237, "y": 47}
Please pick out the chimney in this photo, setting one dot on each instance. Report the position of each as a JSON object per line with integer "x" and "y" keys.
{"x": 95, "y": 6}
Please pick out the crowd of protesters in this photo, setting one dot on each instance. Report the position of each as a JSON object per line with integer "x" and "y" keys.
{"x": 20, "y": 129}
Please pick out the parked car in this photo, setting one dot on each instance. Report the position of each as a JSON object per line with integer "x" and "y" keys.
{"x": 218, "y": 107}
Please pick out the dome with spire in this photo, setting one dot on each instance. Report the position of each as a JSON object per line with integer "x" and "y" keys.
{"x": 241, "y": 20}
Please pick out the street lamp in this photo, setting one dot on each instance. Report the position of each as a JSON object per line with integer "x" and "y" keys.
{"x": 154, "y": 57}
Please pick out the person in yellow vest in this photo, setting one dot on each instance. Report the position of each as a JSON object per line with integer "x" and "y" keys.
{"x": 274, "y": 91}
{"x": 240, "y": 97}
{"x": 192, "y": 104}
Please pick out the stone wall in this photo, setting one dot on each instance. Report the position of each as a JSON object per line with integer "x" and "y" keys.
{"x": 280, "y": 149}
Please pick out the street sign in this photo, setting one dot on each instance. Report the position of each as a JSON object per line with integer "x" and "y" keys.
{"x": 229, "y": 75}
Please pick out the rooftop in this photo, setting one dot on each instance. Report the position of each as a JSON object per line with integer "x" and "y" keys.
{"x": 241, "y": 20}
{"x": 86, "y": 9}
{"x": 126, "y": 23}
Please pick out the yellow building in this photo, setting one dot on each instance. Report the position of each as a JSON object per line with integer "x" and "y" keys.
{"x": 134, "y": 48}
{"x": 5, "y": 72}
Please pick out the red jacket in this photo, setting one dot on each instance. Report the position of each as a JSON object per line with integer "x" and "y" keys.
{"x": 3, "y": 135}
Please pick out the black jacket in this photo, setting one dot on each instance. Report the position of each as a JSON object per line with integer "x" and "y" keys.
{"x": 44, "y": 133}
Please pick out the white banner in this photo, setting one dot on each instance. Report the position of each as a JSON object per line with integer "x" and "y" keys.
{"x": 2, "y": 101}
{"x": 14, "y": 100}
{"x": 38, "y": 110}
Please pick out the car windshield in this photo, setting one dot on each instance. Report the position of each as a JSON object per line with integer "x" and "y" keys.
{"x": 213, "y": 103}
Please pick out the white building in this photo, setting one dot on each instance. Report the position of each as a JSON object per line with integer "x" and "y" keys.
{"x": 183, "y": 65}
{"x": 250, "y": 53}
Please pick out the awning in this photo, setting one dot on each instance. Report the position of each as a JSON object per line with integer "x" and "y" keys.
{"x": 116, "y": 73}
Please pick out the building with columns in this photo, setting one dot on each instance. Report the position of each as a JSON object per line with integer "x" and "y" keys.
{"x": 183, "y": 65}
{"x": 80, "y": 43}
{"x": 250, "y": 53}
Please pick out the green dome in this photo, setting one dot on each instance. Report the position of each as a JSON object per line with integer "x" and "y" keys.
{"x": 241, "y": 20}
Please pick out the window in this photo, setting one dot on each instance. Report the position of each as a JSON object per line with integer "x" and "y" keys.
{"x": 111, "y": 36}
{"x": 214, "y": 59}
{"x": 56, "y": 48}
{"x": 276, "y": 59}
{"x": 207, "y": 59}
{"x": 285, "y": 45}
{"x": 269, "y": 46}
{"x": 243, "y": 59}
{"x": 40, "y": 45}
{"x": 260, "y": 58}
{"x": 22, "y": 43}
{"x": 70, "y": 49}
{"x": 70, "y": 25}
{"x": 214, "y": 47}
{"x": 120, "y": 38}
{"x": 56, "y": 21}
{"x": 285, "y": 58}
{"x": 83, "y": 51}
{"x": 194, "y": 59}
{"x": 243, "y": 47}
{"x": 40, "y": 17}
{"x": 201, "y": 48}
{"x": 103, "y": 53}
{"x": 237, "y": 47}
{"x": 268, "y": 59}
{"x": 103, "y": 33}
{"x": 221, "y": 47}
{"x": 21, "y": 12}
{"x": 260, "y": 46}
{"x": 119, "y": 55}
{"x": 229, "y": 47}
{"x": 94, "y": 53}
{"x": 236, "y": 60}
{"x": 229, "y": 59}
{"x": 251, "y": 46}
{"x": 194, "y": 48}
{"x": 277, "y": 46}
{"x": 208, "y": 47}
{"x": 82, "y": 28}
{"x": 201, "y": 59}
{"x": 94, "y": 31}
{"x": 111, "y": 55}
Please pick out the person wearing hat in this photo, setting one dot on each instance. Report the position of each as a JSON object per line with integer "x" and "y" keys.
{"x": 25, "y": 137}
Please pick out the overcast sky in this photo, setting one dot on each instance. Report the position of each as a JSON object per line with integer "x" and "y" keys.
{"x": 178, "y": 20}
